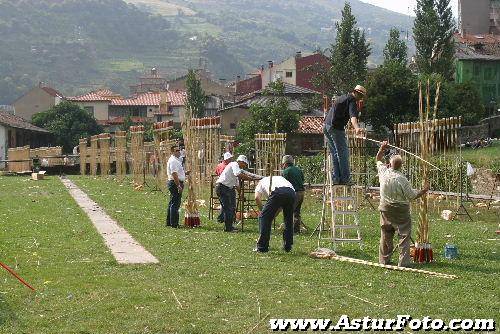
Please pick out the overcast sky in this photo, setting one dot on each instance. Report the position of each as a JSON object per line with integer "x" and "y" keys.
{"x": 405, "y": 6}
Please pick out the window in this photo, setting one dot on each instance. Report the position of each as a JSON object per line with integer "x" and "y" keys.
{"x": 488, "y": 73}
{"x": 89, "y": 110}
{"x": 158, "y": 118}
{"x": 232, "y": 126}
{"x": 289, "y": 74}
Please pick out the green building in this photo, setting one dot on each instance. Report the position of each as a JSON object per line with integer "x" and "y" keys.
{"x": 479, "y": 63}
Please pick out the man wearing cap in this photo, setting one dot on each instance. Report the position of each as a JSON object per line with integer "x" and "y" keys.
{"x": 281, "y": 195}
{"x": 220, "y": 167}
{"x": 176, "y": 177}
{"x": 225, "y": 188}
{"x": 344, "y": 108}
{"x": 294, "y": 175}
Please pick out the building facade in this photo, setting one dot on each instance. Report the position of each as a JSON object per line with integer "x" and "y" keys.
{"x": 40, "y": 98}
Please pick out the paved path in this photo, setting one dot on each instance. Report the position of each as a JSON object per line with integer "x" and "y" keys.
{"x": 124, "y": 248}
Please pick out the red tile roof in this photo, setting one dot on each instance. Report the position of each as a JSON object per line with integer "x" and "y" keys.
{"x": 311, "y": 125}
{"x": 18, "y": 122}
{"x": 97, "y": 95}
{"x": 175, "y": 98}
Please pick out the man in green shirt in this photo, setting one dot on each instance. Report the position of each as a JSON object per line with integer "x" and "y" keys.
{"x": 295, "y": 176}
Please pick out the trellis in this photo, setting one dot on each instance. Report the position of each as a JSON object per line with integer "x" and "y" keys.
{"x": 121, "y": 154}
{"x": 104, "y": 153}
{"x": 82, "y": 145}
{"x": 269, "y": 149}
{"x": 226, "y": 143}
{"x": 205, "y": 140}
{"x": 137, "y": 154}
{"x": 94, "y": 154}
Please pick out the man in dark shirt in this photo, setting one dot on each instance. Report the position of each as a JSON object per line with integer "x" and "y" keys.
{"x": 294, "y": 175}
{"x": 344, "y": 108}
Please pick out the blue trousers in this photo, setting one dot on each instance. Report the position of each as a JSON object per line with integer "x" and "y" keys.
{"x": 174, "y": 204}
{"x": 280, "y": 198}
{"x": 337, "y": 142}
{"x": 227, "y": 198}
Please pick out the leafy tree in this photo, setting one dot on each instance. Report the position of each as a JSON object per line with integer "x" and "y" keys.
{"x": 393, "y": 97}
{"x": 348, "y": 57}
{"x": 395, "y": 50}
{"x": 196, "y": 97}
{"x": 462, "y": 99}
{"x": 264, "y": 118}
{"x": 433, "y": 32}
{"x": 68, "y": 123}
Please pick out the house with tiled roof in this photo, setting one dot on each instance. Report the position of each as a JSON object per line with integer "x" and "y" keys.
{"x": 233, "y": 114}
{"x": 16, "y": 131}
{"x": 111, "y": 110}
{"x": 298, "y": 71}
{"x": 39, "y": 98}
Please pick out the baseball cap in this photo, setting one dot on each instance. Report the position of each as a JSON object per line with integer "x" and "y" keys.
{"x": 227, "y": 155}
{"x": 360, "y": 89}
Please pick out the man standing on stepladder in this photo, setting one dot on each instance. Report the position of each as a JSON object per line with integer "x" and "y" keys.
{"x": 344, "y": 108}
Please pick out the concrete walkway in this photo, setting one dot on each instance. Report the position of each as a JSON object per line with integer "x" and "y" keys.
{"x": 124, "y": 248}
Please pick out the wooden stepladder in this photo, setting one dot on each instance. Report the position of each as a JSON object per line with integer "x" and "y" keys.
{"x": 340, "y": 221}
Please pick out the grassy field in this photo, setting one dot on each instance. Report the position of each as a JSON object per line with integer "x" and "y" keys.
{"x": 222, "y": 286}
{"x": 487, "y": 157}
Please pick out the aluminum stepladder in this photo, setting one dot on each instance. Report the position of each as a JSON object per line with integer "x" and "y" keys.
{"x": 340, "y": 217}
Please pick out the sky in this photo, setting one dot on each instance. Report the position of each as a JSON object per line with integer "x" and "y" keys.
{"x": 402, "y": 6}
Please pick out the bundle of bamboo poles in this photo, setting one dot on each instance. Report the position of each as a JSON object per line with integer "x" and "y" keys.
{"x": 21, "y": 157}
{"x": 94, "y": 154}
{"x": 137, "y": 150}
{"x": 82, "y": 144}
{"x": 191, "y": 211}
{"x": 121, "y": 154}
{"x": 162, "y": 142}
{"x": 269, "y": 148}
{"x": 104, "y": 153}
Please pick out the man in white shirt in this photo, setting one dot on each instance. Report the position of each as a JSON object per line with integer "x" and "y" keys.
{"x": 281, "y": 195}
{"x": 395, "y": 196}
{"x": 225, "y": 188}
{"x": 176, "y": 177}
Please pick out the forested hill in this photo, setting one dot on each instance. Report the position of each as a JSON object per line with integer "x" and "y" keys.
{"x": 77, "y": 45}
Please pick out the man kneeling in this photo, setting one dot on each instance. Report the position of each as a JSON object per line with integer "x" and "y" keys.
{"x": 281, "y": 196}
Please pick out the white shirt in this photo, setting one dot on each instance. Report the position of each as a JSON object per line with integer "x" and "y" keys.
{"x": 277, "y": 182}
{"x": 229, "y": 176}
{"x": 394, "y": 186}
{"x": 174, "y": 165}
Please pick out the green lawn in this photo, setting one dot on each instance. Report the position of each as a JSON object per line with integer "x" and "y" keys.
{"x": 487, "y": 157}
{"x": 223, "y": 287}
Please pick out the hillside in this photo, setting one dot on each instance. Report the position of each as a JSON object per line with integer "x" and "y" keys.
{"x": 77, "y": 45}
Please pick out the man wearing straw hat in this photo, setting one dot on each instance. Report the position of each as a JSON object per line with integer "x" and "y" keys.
{"x": 395, "y": 196}
{"x": 343, "y": 110}
{"x": 226, "y": 185}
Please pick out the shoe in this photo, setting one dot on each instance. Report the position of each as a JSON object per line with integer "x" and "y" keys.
{"x": 233, "y": 230}
{"x": 256, "y": 250}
